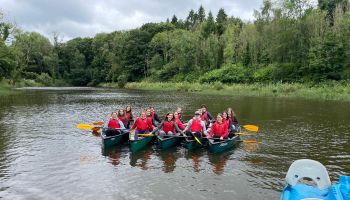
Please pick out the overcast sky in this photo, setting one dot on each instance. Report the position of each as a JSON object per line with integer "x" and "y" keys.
{"x": 82, "y": 18}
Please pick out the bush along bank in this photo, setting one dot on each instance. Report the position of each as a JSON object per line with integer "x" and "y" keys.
{"x": 326, "y": 91}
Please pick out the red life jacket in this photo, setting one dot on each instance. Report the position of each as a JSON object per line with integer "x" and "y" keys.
{"x": 113, "y": 123}
{"x": 205, "y": 117}
{"x": 128, "y": 116}
{"x": 196, "y": 126}
{"x": 124, "y": 120}
{"x": 168, "y": 126}
{"x": 152, "y": 114}
{"x": 150, "y": 119}
{"x": 142, "y": 124}
{"x": 226, "y": 121}
{"x": 219, "y": 129}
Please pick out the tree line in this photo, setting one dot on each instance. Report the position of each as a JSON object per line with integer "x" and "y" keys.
{"x": 289, "y": 41}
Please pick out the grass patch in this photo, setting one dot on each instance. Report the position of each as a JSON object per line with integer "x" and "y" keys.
{"x": 337, "y": 91}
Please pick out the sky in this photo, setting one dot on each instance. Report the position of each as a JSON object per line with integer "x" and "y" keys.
{"x": 85, "y": 18}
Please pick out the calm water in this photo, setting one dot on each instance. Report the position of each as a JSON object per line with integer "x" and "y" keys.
{"x": 44, "y": 156}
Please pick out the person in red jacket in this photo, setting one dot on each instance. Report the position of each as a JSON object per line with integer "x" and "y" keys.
{"x": 196, "y": 127}
{"x": 227, "y": 121}
{"x": 219, "y": 129}
{"x": 142, "y": 125}
{"x": 178, "y": 121}
{"x": 114, "y": 125}
{"x": 179, "y": 112}
{"x": 234, "y": 121}
{"x": 155, "y": 117}
{"x": 129, "y": 116}
{"x": 205, "y": 115}
{"x": 168, "y": 127}
{"x": 122, "y": 117}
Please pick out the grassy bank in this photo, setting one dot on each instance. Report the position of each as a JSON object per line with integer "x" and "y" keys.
{"x": 5, "y": 88}
{"x": 333, "y": 91}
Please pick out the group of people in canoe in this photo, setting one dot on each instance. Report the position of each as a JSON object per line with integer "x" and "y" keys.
{"x": 202, "y": 124}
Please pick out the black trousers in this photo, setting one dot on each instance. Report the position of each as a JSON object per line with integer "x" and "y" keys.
{"x": 190, "y": 134}
{"x": 112, "y": 132}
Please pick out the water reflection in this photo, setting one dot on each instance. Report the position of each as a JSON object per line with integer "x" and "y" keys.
{"x": 196, "y": 157}
{"x": 250, "y": 147}
{"x": 219, "y": 161}
{"x": 141, "y": 158}
{"x": 169, "y": 158}
{"x": 114, "y": 155}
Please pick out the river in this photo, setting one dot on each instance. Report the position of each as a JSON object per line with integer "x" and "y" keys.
{"x": 44, "y": 156}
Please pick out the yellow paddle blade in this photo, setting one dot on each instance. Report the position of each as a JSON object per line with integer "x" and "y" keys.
{"x": 85, "y": 126}
{"x": 251, "y": 128}
{"x": 252, "y": 141}
{"x": 244, "y": 134}
{"x": 98, "y": 123}
{"x": 198, "y": 140}
{"x": 145, "y": 134}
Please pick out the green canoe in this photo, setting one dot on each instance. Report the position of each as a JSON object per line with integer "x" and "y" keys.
{"x": 192, "y": 144}
{"x": 167, "y": 142}
{"x": 108, "y": 141}
{"x": 220, "y": 146}
{"x": 140, "y": 143}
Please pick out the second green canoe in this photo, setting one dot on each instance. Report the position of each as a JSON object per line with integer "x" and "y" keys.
{"x": 220, "y": 146}
{"x": 167, "y": 142}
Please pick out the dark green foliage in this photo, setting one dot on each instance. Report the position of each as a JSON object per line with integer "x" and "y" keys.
{"x": 227, "y": 74}
{"x": 289, "y": 41}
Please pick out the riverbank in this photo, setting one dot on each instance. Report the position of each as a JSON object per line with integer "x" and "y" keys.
{"x": 5, "y": 89}
{"x": 330, "y": 91}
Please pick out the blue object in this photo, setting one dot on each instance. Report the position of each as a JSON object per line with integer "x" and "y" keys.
{"x": 323, "y": 190}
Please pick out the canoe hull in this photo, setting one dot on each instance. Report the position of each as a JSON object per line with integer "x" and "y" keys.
{"x": 165, "y": 143}
{"x": 193, "y": 144}
{"x": 109, "y": 141}
{"x": 142, "y": 142}
{"x": 220, "y": 146}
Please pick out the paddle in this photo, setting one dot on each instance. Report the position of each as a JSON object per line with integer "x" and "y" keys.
{"x": 98, "y": 123}
{"x": 244, "y": 134}
{"x": 86, "y": 126}
{"x": 252, "y": 128}
{"x": 246, "y": 141}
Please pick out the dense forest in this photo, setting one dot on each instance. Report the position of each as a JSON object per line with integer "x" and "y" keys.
{"x": 289, "y": 41}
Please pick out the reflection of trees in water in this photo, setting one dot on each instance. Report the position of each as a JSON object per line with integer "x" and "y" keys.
{"x": 169, "y": 158}
{"x": 195, "y": 156}
{"x": 143, "y": 156}
{"x": 218, "y": 161}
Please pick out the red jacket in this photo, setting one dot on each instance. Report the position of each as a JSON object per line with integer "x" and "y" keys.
{"x": 196, "y": 126}
{"x": 124, "y": 120}
{"x": 205, "y": 118}
{"x": 168, "y": 126}
{"x": 180, "y": 124}
{"x": 113, "y": 123}
{"x": 220, "y": 130}
{"x": 128, "y": 116}
{"x": 142, "y": 124}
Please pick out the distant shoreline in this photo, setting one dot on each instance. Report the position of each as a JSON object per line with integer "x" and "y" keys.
{"x": 334, "y": 91}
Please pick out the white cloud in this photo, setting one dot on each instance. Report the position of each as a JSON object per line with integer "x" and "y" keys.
{"x": 83, "y": 18}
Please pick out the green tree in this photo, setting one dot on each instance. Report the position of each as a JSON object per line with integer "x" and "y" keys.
{"x": 201, "y": 14}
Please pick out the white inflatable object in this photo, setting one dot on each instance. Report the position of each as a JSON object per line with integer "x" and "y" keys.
{"x": 306, "y": 168}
